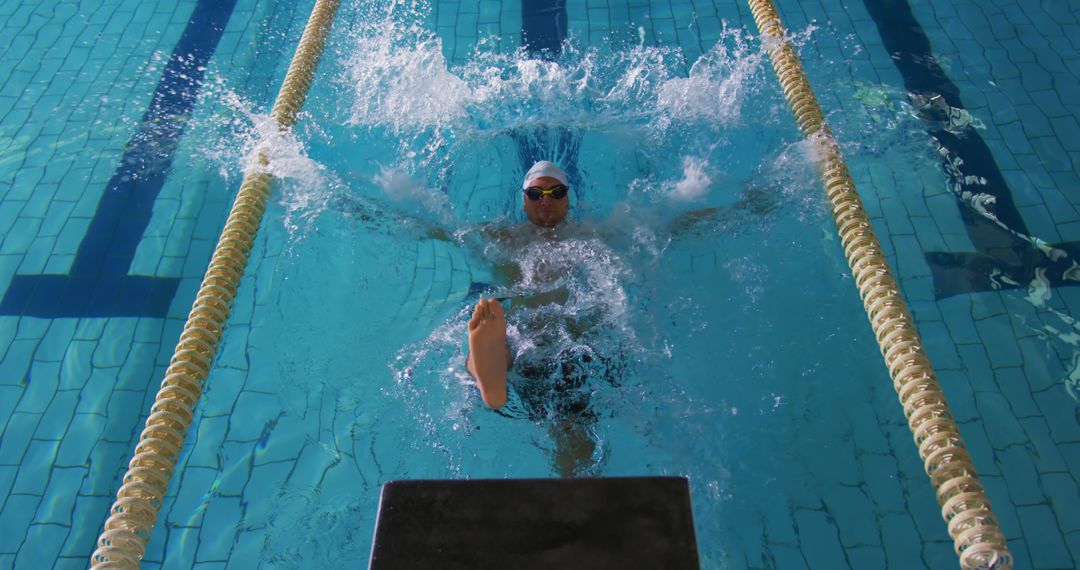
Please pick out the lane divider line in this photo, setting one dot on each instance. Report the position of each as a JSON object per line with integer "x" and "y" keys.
{"x": 976, "y": 534}
{"x": 122, "y": 544}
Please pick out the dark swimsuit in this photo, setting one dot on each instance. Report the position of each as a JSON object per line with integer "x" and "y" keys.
{"x": 560, "y": 387}
{"x": 555, "y": 386}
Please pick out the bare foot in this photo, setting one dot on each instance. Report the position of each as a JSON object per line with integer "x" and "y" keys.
{"x": 488, "y": 356}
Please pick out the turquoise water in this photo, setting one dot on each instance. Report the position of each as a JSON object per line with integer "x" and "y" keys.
{"x": 744, "y": 360}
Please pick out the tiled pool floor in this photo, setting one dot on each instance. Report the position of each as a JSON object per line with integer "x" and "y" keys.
{"x": 78, "y": 81}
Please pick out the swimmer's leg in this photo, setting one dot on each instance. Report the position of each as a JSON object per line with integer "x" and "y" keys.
{"x": 573, "y": 447}
{"x": 489, "y": 356}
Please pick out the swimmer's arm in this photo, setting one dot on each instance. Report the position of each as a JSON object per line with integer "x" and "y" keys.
{"x": 753, "y": 200}
{"x": 374, "y": 211}
{"x": 556, "y": 296}
{"x": 689, "y": 220}
{"x": 487, "y": 230}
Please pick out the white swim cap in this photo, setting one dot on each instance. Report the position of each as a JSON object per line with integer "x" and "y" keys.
{"x": 542, "y": 169}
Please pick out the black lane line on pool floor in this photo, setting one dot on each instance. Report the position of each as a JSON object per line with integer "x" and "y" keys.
{"x": 543, "y": 31}
{"x": 98, "y": 284}
{"x": 1003, "y": 260}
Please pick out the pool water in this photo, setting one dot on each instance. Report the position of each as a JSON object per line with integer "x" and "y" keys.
{"x": 726, "y": 339}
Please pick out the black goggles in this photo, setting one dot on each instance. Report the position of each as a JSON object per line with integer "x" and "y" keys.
{"x": 557, "y": 192}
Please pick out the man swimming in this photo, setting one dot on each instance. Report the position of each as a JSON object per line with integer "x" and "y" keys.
{"x": 554, "y": 387}
{"x": 557, "y": 362}
{"x": 545, "y": 202}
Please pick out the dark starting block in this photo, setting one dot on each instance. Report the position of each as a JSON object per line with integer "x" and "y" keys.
{"x": 618, "y": 523}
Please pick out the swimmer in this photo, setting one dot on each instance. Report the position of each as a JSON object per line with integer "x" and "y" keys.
{"x": 545, "y": 201}
{"x": 546, "y": 205}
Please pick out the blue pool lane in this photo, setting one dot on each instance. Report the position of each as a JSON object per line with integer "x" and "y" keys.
{"x": 544, "y": 28}
{"x": 1003, "y": 259}
{"x": 98, "y": 284}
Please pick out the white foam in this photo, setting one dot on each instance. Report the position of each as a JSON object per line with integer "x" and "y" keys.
{"x": 405, "y": 86}
{"x": 400, "y": 187}
{"x": 695, "y": 182}
{"x": 243, "y": 140}
{"x": 717, "y": 86}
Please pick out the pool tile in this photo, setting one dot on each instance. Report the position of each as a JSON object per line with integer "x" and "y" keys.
{"x": 149, "y": 330}
{"x": 55, "y": 342}
{"x": 787, "y": 557}
{"x": 262, "y": 411}
{"x": 16, "y": 437}
{"x": 1015, "y": 138}
{"x": 865, "y": 557}
{"x": 16, "y": 363}
{"x": 1034, "y": 76}
{"x": 1060, "y": 412}
{"x": 960, "y": 393}
{"x": 867, "y": 432}
{"x": 115, "y": 343}
{"x": 312, "y": 465}
{"x": 57, "y": 508}
{"x": 83, "y": 432}
{"x": 836, "y": 461}
{"x": 1071, "y": 451}
{"x": 1037, "y": 355}
{"x": 922, "y": 507}
{"x": 1047, "y": 545}
{"x": 1052, "y": 155}
{"x": 60, "y": 409}
{"x": 1045, "y": 456}
{"x": 262, "y": 495}
{"x": 1014, "y": 387}
{"x": 196, "y": 489}
{"x": 41, "y": 546}
{"x": 851, "y": 508}
{"x": 979, "y": 446}
{"x": 939, "y": 343}
{"x": 76, "y": 365}
{"x": 900, "y": 535}
{"x": 124, "y": 413}
{"x": 286, "y": 441}
{"x": 882, "y": 477}
{"x": 210, "y": 432}
{"x": 219, "y": 529}
{"x": 40, "y": 454}
{"x": 15, "y": 517}
{"x": 938, "y": 553}
{"x": 233, "y": 352}
{"x": 137, "y": 372}
{"x": 996, "y": 333}
{"x": 1020, "y": 476}
{"x": 21, "y": 236}
{"x": 1061, "y": 488}
{"x": 818, "y": 540}
{"x": 1001, "y": 427}
{"x": 70, "y": 562}
{"x": 107, "y": 464}
{"x": 182, "y": 545}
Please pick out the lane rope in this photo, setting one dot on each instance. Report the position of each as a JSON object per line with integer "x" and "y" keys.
{"x": 122, "y": 544}
{"x": 976, "y": 534}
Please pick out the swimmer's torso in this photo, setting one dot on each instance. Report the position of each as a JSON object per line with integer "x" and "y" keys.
{"x": 565, "y": 276}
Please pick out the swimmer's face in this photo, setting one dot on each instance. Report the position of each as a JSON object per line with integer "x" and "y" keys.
{"x": 546, "y": 212}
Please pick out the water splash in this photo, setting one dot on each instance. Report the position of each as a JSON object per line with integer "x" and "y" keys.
{"x": 242, "y": 139}
{"x": 695, "y": 182}
{"x": 432, "y": 113}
